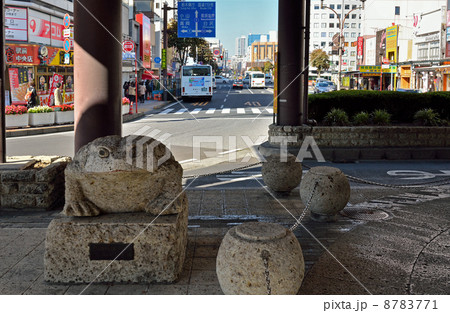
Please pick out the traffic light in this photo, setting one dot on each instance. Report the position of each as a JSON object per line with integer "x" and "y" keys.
{"x": 221, "y": 57}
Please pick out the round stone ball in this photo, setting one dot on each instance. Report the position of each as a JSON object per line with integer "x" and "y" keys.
{"x": 332, "y": 192}
{"x": 240, "y": 264}
{"x": 281, "y": 176}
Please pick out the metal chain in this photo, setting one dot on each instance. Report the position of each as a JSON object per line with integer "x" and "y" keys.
{"x": 224, "y": 172}
{"x": 265, "y": 256}
{"x": 305, "y": 210}
{"x": 368, "y": 182}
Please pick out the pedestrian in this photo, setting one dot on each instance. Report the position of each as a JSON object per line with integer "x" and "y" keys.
{"x": 31, "y": 96}
{"x": 125, "y": 89}
{"x": 141, "y": 92}
{"x": 58, "y": 97}
{"x": 132, "y": 92}
{"x": 147, "y": 89}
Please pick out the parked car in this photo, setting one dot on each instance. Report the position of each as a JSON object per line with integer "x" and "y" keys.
{"x": 322, "y": 87}
{"x": 238, "y": 84}
{"x": 409, "y": 90}
{"x": 221, "y": 80}
{"x": 246, "y": 79}
{"x": 332, "y": 85}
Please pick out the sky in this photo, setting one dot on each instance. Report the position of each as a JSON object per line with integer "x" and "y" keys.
{"x": 235, "y": 18}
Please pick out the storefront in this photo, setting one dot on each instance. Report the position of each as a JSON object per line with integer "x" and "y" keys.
{"x": 371, "y": 76}
{"x": 39, "y": 64}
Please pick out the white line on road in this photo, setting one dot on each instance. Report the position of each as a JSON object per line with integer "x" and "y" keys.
{"x": 181, "y": 111}
{"x": 226, "y": 111}
{"x": 270, "y": 111}
{"x": 241, "y": 111}
{"x": 195, "y": 111}
{"x": 166, "y": 111}
{"x": 250, "y": 90}
{"x": 221, "y": 106}
{"x": 256, "y": 111}
{"x": 187, "y": 161}
{"x": 230, "y": 151}
{"x": 210, "y": 111}
{"x": 225, "y": 100}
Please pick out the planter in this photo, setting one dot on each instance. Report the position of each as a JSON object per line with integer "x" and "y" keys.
{"x": 38, "y": 119}
{"x": 16, "y": 120}
{"x": 125, "y": 109}
{"x": 64, "y": 117}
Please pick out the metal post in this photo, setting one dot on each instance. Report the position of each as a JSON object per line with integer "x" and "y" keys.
{"x": 341, "y": 36}
{"x": 135, "y": 79}
{"x": 2, "y": 85}
{"x": 165, "y": 44}
{"x": 290, "y": 45}
{"x": 306, "y": 64}
{"x": 97, "y": 69}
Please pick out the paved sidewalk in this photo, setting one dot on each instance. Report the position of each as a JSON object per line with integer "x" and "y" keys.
{"x": 406, "y": 253}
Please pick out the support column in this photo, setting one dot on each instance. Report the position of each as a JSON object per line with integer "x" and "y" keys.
{"x": 97, "y": 69}
{"x": 2, "y": 86}
{"x": 290, "y": 51}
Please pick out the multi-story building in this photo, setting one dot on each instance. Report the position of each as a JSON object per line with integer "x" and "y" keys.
{"x": 241, "y": 46}
{"x": 256, "y": 37}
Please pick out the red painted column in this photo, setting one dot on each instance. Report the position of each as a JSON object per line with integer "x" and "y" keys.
{"x": 97, "y": 69}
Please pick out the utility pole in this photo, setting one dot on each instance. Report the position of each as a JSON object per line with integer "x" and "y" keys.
{"x": 165, "y": 45}
{"x": 2, "y": 85}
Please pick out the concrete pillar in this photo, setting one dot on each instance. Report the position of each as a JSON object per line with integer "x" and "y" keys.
{"x": 290, "y": 51}
{"x": 97, "y": 69}
{"x": 2, "y": 86}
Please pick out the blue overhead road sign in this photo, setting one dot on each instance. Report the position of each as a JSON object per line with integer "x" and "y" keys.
{"x": 196, "y": 19}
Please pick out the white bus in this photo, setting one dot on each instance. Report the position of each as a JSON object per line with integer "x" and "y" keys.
{"x": 196, "y": 82}
{"x": 257, "y": 80}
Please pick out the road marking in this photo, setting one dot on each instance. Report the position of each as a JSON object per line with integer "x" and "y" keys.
{"x": 270, "y": 111}
{"x": 250, "y": 90}
{"x": 221, "y": 106}
{"x": 166, "y": 111}
{"x": 256, "y": 111}
{"x": 230, "y": 151}
{"x": 240, "y": 111}
{"x": 226, "y": 111}
{"x": 225, "y": 100}
{"x": 413, "y": 174}
{"x": 187, "y": 161}
{"x": 210, "y": 111}
{"x": 196, "y": 111}
{"x": 181, "y": 111}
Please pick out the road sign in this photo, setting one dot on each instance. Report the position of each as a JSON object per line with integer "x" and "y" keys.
{"x": 163, "y": 59}
{"x": 66, "y": 58}
{"x": 66, "y": 20}
{"x": 216, "y": 52}
{"x": 386, "y": 61}
{"x": 196, "y": 19}
{"x": 128, "y": 46}
{"x": 68, "y": 33}
{"x": 67, "y": 45}
{"x": 157, "y": 60}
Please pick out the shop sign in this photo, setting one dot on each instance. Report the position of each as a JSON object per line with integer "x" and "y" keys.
{"x": 18, "y": 80}
{"x": 380, "y": 45}
{"x": 145, "y": 44}
{"x": 448, "y": 33}
{"x": 391, "y": 42}
{"x": 128, "y": 56}
{"x": 21, "y": 54}
{"x": 45, "y": 29}
{"x": 360, "y": 48}
{"x": 163, "y": 59}
{"x": 15, "y": 24}
{"x": 376, "y": 69}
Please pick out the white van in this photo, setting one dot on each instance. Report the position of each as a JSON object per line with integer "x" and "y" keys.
{"x": 257, "y": 80}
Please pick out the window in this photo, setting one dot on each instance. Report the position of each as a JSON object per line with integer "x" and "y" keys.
{"x": 332, "y": 6}
{"x": 323, "y": 34}
{"x": 338, "y": 25}
{"x": 323, "y": 44}
{"x": 316, "y": 7}
{"x": 330, "y": 35}
{"x": 352, "y": 53}
{"x": 346, "y": 25}
{"x": 331, "y": 25}
{"x": 359, "y": 25}
{"x": 353, "y": 16}
{"x": 353, "y": 35}
{"x": 315, "y": 35}
{"x": 339, "y": 16}
{"x": 352, "y": 63}
{"x": 323, "y": 25}
{"x": 354, "y": 6}
{"x": 324, "y": 15}
{"x": 346, "y": 35}
{"x": 397, "y": 10}
{"x": 422, "y": 51}
{"x": 347, "y": 6}
{"x": 353, "y": 25}
{"x": 330, "y": 44}
{"x": 338, "y": 6}
{"x": 331, "y": 15}
{"x": 316, "y": 25}
{"x": 434, "y": 49}
{"x": 316, "y": 45}
{"x": 316, "y": 16}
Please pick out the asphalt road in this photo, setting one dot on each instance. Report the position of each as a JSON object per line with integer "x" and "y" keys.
{"x": 217, "y": 135}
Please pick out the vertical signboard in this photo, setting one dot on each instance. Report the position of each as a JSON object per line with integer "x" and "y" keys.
{"x": 163, "y": 59}
{"x": 380, "y": 51}
{"x": 16, "y": 24}
{"x": 360, "y": 49}
{"x": 447, "y": 50}
{"x": 391, "y": 43}
{"x": 18, "y": 80}
{"x": 145, "y": 44}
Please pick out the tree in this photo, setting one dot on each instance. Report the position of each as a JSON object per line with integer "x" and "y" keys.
{"x": 268, "y": 66}
{"x": 319, "y": 59}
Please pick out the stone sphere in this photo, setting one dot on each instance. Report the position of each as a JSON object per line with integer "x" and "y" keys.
{"x": 240, "y": 264}
{"x": 281, "y": 176}
{"x": 332, "y": 192}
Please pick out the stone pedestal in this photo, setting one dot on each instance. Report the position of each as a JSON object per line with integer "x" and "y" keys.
{"x": 280, "y": 175}
{"x": 331, "y": 193}
{"x": 240, "y": 263}
{"x": 124, "y": 247}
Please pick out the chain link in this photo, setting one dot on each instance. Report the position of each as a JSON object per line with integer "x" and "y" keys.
{"x": 223, "y": 172}
{"x": 305, "y": 210}
{"x": 265, "y": 256}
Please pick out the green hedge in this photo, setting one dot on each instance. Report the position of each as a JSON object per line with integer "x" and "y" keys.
{"x": 402, "y": 105}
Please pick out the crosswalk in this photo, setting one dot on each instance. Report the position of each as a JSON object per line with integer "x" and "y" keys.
{"x": 220, "y": 111}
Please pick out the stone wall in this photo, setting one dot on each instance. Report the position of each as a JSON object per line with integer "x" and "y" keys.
{"x": 41, "y": 188}
{"x": 365, "y": 136}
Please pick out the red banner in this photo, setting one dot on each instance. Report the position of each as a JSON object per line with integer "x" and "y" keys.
{"x": 21, "y": 54}
{"x": 360, "y": 48}
{"x": 145, "y": 44}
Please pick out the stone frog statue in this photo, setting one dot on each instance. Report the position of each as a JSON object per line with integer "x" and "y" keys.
{"x": 117, "y": 175}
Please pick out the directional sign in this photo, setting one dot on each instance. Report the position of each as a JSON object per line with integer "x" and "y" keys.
{"x": 67, "y": 45}
{"x": 157, "y": 60}
{"x": 128, "y": 46}
{"x": 196, "y": 19}
{"x": 66, "y": 20}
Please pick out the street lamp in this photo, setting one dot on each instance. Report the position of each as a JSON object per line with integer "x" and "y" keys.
{"x": 341, "y": 29}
